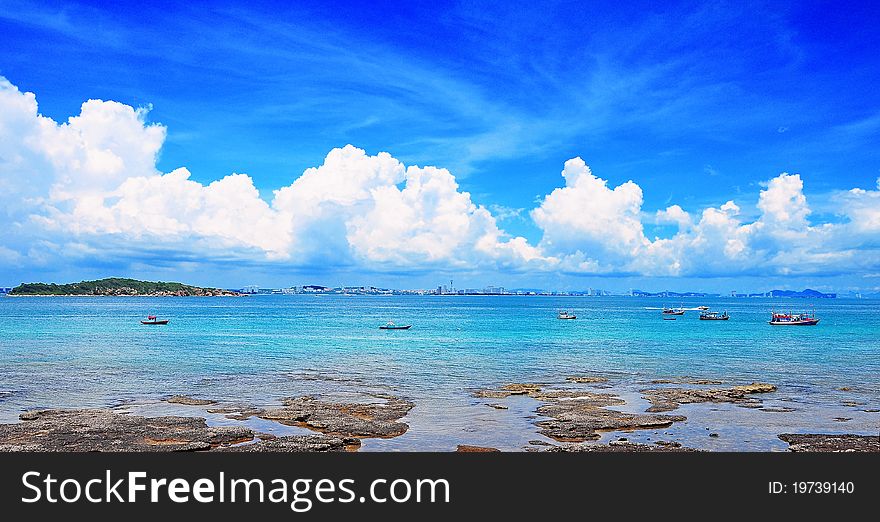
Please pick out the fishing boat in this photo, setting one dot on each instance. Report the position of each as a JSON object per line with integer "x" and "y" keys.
{"x": 714, "y": 316}
{"x": 152, "y": 319}
{"x": 565, "y": 315}
{"x": 791, "y": 319}
{"x": 673, "y": 311}
{"x": 391, "y": 326}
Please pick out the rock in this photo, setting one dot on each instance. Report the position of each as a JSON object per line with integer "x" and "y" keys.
{"x": 852, "y": 403}
{"x": 756, "y": 387}
{"x": 464, "y": 448}
{"x": 497, "y": 406}
{"x": 188, "y": 401}
{"x": 686, "y": 380}
{"x": 667, "y": 399}
{"x": 586, "y": 379}
{"x": 375, "y": 419}
{"x": 831, "y": 443}
{"x": 713, "y": 435}
{"x": 845, "y": 388}
{"x": 539, "y": 443}
{"x": 842, "y": 419}
{"x": 106, "y": 430}
{"x": 777, "y": 409}
{"x": 668, "y": 444}
{"x": 507, "y": 390}
{"x": 298, "y": 444}
{"x": 623, "y": 447}
{"x": 236, "y": 412}
{"x": 577, "y": 415}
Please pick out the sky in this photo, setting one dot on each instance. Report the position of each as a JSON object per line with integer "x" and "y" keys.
{"x": 708, "y": 146}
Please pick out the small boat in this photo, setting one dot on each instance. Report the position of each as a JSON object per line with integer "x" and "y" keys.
{"x": 673, "y": 311}
{"x": 391, "y": 326}
{"x": 152, "y": 319}
{"x": 790, "y": 319}
{"x": 714, "y": 316}
{"x": 703, "y": 308}
{"x": 669, "y": 318}
{"x": 565, "y": 315}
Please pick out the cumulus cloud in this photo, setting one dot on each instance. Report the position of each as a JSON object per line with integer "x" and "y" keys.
{"x": 674, "y": 214}
{"x": 862, "y": 207}
{"x": 590, "y": 220}
{"x": 94, "y": 177}
{"x": 89, "y": 187}
{"x": 593, "y": 228}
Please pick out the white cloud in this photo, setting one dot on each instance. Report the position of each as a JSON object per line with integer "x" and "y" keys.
{"x": 862, "y": 207}
{"x": 674, "y": 214}
{"x": 98, "y": 183}
{"x": 89, "y": 187}
{"x": 588, "y": 217}
{"x": 783, "y": 204}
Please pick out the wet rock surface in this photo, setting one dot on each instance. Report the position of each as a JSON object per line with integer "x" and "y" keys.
{"x": 298, "y": 444}
{"x": 620, "y": 446}
{"x": 374, "y": 419}
{"x": 668, "y": 399}
{"x": 586, "y": 379}
{"x": 507, "y": 390}
{"x": 686, "y": 380}
{"x": 106, "y": 430}
{"x": 831, "y": 443}
{"x": 340, "y": 426}
{"x": 464, "y": 448}
{"x": 777, "y": 409}
{"x": 577, "y": 415}
{"x": 188, "y": 401}
{"x": 236, "y": 412}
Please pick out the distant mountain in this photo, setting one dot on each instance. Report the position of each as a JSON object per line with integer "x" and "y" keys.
{"x": 117, "y": 286}
{"x": 808, "y": 293}
{"x": 639, "y": 293}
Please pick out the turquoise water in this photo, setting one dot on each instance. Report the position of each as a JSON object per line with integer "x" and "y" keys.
{"x": 80, "y": 351}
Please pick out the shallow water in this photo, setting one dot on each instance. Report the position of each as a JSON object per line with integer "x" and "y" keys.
{"x": 92, "y": 351}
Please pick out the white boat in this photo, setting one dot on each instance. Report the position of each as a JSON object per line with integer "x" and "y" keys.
{"x": 391, "y": 326}
{"x": 565, "y": 315}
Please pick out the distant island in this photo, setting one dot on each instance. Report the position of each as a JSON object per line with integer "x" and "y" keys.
{"x": 117, "y": 286}
{"x": 807, "y": 294}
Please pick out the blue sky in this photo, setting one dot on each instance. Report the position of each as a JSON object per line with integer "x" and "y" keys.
{"x": 698, "y": 103}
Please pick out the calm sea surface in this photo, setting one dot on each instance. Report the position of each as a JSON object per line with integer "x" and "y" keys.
{"x": 87, "y": 352}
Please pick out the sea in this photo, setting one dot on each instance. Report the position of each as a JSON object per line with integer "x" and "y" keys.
{"x": 75, "y": 352}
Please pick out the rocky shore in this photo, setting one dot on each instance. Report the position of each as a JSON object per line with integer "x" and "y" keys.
{"x": 579, "y": 415}
{"x": 831, "y": 443}
{"x": 668, "y": 399}
{"x": 576, "y": 413}
{"x": 338, "y": 427}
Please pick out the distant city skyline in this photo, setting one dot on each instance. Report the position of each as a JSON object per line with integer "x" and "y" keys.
{"x": 562, "y": 146}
